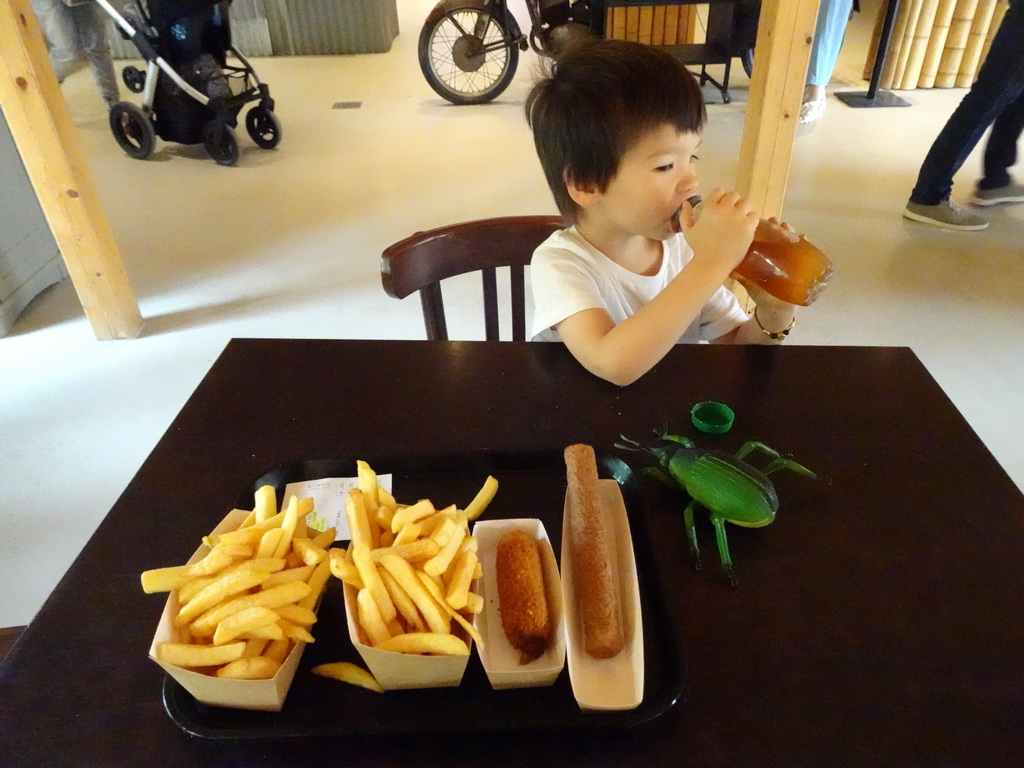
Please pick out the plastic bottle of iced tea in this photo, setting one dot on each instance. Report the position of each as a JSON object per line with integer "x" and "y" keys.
{"x": 782, "y": 263}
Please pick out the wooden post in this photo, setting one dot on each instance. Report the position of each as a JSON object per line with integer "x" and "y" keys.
{"x": 55, "y": 163}
{"x": 783, "y": 48}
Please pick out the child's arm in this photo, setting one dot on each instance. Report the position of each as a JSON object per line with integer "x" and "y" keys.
{"x": 623, "y": 353}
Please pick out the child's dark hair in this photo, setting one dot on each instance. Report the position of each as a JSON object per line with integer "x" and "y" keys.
{"x": 596, "y": 101}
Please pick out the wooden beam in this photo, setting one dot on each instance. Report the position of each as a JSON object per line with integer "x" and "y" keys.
{"x": 55, "y": 162}
{"x": 784, "y": 37}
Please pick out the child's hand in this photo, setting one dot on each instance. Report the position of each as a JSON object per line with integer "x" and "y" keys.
{"x": 724, "y": 229}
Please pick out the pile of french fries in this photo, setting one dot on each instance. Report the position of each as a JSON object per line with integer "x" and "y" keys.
{"x": 413, "y": 567}
{"x": 244, "y": 605}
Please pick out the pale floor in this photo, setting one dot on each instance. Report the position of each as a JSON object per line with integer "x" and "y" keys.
{"x": 286, "y": 244}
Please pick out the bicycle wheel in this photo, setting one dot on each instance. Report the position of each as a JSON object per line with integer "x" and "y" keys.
{"x": 464, "y": 57}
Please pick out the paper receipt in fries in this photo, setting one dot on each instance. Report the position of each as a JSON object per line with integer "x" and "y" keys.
{"x": 328, "y": 494}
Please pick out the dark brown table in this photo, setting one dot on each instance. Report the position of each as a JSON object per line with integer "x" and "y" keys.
{"x": 877, "y": 620}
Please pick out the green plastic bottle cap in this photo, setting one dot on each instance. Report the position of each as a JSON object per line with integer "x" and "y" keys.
{"x": 712, "y": 417}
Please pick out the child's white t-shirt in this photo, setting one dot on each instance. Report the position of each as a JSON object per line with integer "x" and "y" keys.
{"x": 569, "y": 275}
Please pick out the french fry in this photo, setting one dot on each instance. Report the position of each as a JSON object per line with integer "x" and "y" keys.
{"x": 310, "y": 553}
{"x": 462, "y": 575}
{"x": 219, "y": 558}
{"x": 296, "y": 614}
{"x": 278, "y": 649}
{"x": 406, "y": 607}
{"x": 217, "y": 592}
{"x": 426, "y": 643}
{"x": 316, "y": 584}
{"x": 412, "y": 514}
{"x": 274, "y": 597}
{"x": 190, "y": 655}
{"x": 269, "y": 542}
{"x": 291, "y": 516}
{"x": 435, "y": 616}
{"x": 415, "y": 551}
{"x": 474, "y": 603}
{"x": 166, "y": 579}
{"x": 188, "y": 591}
{"x": 370, "y": 619}
{"x": 444, "y": 532}
{"x": 349, "y": 673}
{"x": 439, "y": 563}
{"x": 482, "y": 499}
{"x": 265, "y": 633}
{"x": 324, "y": 539}
{"x": 250, "y": 668}
{"x": 266, "y": 503}
{"x": 247, "y": 620}
{"x": 372, "y": 581}
{"x": 435, "y": 592}
{"x": 301, "y": 573}
{"x": 345, "y": 570}
{"x": 368, "y": 485}
{"x": 358, "y": 521}
{"x": 295, "y": 632}
{"x": 409, "y": 533}
{"x": 255, "y": 647}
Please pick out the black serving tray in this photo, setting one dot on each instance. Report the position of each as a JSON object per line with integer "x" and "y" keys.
{"x": 530, "y": 486}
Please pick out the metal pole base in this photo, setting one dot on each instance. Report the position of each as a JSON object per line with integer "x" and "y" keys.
{"x": 880, "y": 99}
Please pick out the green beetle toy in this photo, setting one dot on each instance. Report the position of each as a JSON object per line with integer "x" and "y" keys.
{"x": 731, "y": 489}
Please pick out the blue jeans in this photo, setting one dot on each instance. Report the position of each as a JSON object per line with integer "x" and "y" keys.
{"x": 996, "y": 99}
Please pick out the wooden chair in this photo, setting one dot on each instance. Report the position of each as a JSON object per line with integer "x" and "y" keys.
{"x": 422, "y": 261}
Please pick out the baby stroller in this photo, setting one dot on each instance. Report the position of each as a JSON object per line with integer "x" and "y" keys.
{"x": 190, "y": 95}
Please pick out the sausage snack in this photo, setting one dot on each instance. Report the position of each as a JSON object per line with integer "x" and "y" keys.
{"x": 595, "y": 582}
{"x": 524, "y": 609}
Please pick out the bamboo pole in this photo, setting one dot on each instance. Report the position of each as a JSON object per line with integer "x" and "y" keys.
{"x": 876, "y": 36}
{"x": 956, "y": 43}
{"x": 672, "y": 24}
{"x": 783, "y": 48}
{"x": 993, "y": 27}
{"x": 55, "y": 162}
{"x": 913, "y": 14}
{"x": 899, "y": 31}
{"x": 936, "y": 43}
{"x": 645, "y": 31}
{"x": 633, "y": 24}
{"x": 975, "y": 43}
{"x": 919, "y": 44}
{"x": 658, "y": 32}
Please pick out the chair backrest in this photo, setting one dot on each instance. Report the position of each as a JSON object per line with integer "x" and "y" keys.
{"x": 422, "y": 261}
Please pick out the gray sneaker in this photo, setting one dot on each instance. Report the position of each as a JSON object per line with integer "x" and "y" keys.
{"x": 947, "y": 214}
{"x": 1011, "y": 193}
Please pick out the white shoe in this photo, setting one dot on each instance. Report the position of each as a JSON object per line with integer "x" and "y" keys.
{"x": 811, "y": 111}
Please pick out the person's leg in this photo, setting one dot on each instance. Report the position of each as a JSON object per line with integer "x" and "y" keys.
{"x": 1001, "y": 149}
{"x": 59, "y": 28}
{"x": 833, "y": 16}
{"x": 1000, "y": 83}
{"x": 92, "y": 34}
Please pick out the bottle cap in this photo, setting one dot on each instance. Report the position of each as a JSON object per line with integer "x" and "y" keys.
{"x": 712, "y": 417}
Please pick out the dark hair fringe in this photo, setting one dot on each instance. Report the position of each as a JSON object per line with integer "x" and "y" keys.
{"x": 592, "y": 103}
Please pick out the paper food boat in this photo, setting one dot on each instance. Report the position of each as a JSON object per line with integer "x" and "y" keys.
{"x": 616, "y": 683}
{"x": 500, "y": 659}
{"x": 244, "y": 694}
{"x": 396, "y": 671}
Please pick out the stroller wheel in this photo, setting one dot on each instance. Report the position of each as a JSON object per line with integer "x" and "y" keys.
{"x": 133, "y": 130}
{"x": 263, "y": 126}
{"x": 134, "y": 79}
{"x": 220, "y": 142}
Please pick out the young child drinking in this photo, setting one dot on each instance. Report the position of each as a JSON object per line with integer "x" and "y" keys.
{"x": 617, "y": 126}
